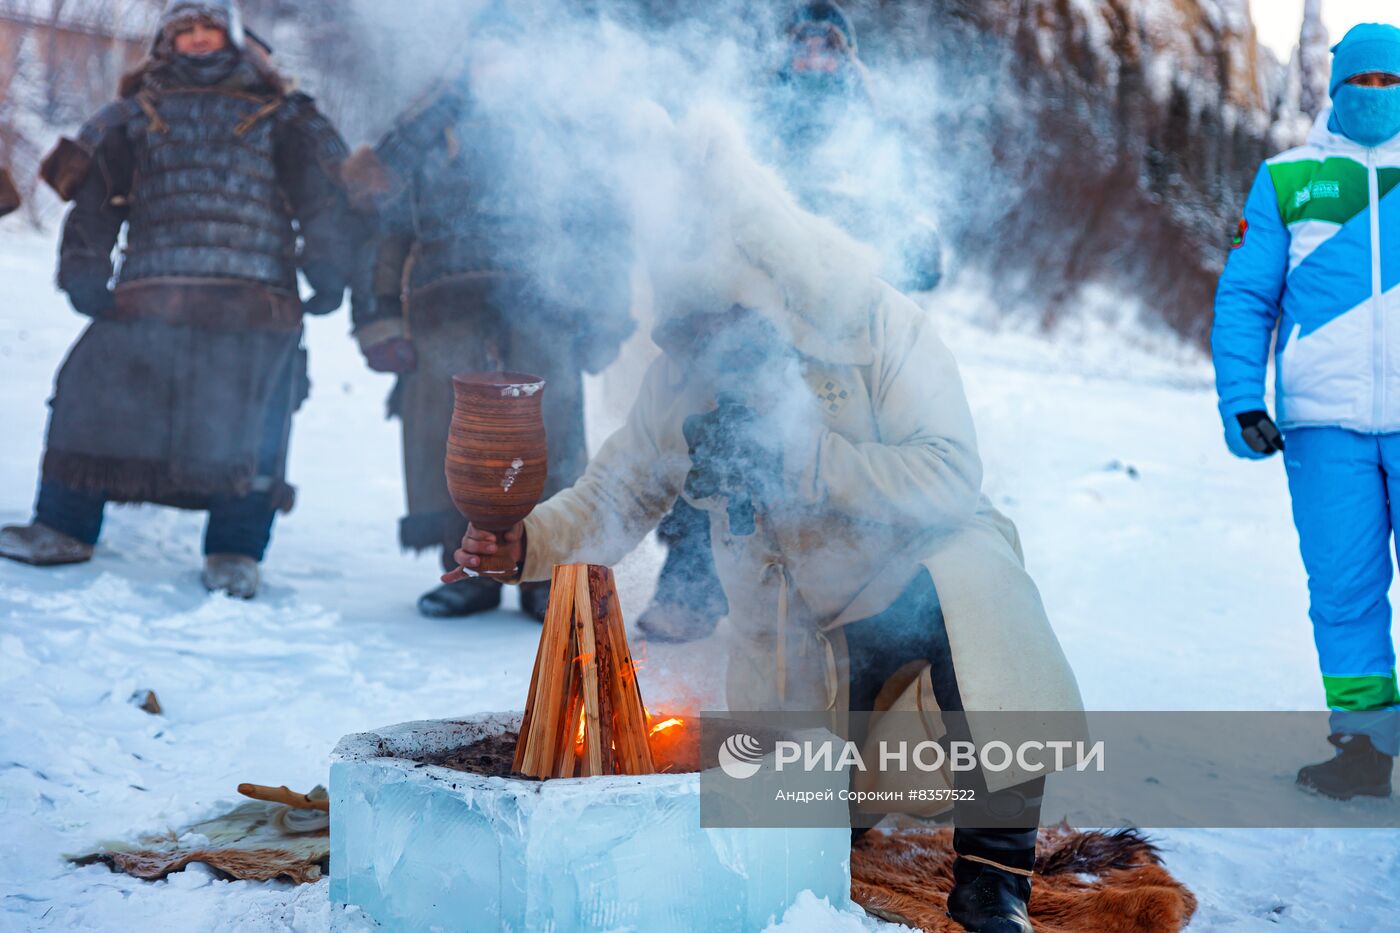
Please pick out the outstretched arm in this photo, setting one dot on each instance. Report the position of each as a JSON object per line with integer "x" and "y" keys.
{"x": 623, "y": 494}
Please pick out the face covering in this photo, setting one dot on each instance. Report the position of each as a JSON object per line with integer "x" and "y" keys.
{"x": 205, "y": 70}
{"x": 1367, "y": 115}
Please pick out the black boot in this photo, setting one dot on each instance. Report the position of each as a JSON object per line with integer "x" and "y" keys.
{"x": 992, "y": 898}
{"x": 1358, "y": 769}
{"x": 534, "y": 600}
{"x": 463, "y": 598}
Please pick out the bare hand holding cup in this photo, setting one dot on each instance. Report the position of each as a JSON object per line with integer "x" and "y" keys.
{"x": 485, "y": 548}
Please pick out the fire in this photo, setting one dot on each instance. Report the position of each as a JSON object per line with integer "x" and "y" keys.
{"x": 665, "y": 724}
{"x": 656, "y": 724}
{"x": 578, "y": 735}
{"x": 670, "y": 738}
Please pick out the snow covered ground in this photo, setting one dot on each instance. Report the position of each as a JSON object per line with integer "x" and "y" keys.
{"x": 1169, "y": 568}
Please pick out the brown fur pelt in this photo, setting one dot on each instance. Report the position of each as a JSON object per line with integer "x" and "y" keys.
{"x": 243, "y": 864}
{"x": 1085, "y": 882}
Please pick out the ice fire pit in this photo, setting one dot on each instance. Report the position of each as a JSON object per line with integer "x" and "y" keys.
{"x": 416, "y": 844}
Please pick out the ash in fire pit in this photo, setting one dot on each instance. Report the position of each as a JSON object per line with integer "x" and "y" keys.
{"x": 488, "y": 757}
{"x": 493, "y": 755}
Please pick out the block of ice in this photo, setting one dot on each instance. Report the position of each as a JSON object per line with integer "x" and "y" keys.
{"x": 420, "y": 847}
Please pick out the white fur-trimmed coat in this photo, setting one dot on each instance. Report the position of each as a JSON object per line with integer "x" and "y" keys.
{"x": 881, "y": 471}
{"x": 888, "y": 481}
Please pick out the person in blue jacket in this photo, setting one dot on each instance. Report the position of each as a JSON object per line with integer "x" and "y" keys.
{"x": 1317, "y": 262}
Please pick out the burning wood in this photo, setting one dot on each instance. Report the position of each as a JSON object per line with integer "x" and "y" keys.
{"x": 584, "y": 715}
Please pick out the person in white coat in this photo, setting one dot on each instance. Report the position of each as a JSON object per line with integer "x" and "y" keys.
{"x": 813, "y": 413}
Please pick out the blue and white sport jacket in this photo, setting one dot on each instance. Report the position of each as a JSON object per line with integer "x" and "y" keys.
{"x": 1317, "y": 257}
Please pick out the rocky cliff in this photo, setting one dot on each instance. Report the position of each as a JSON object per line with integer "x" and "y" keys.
{"x": 1115, "y": 141}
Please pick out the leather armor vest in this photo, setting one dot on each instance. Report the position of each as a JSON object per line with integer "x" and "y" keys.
{"x": 206, "y": 201}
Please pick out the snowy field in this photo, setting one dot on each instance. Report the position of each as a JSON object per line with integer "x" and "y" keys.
{"x": 1170, "y": 571}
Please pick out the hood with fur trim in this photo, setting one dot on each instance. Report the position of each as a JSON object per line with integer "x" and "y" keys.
{"x": 736, "y": 235}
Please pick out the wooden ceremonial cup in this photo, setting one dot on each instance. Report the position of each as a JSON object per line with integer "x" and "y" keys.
{"x": 496, "y": 459}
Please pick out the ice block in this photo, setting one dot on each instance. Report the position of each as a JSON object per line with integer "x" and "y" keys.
{"x": 419, "y": 847}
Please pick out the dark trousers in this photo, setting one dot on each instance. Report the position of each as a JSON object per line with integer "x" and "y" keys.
{"x": 237, "y": 524}
{"x": 913, "y": 628}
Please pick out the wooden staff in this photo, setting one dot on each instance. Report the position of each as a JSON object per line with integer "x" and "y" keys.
{"x": 285, "y": 795}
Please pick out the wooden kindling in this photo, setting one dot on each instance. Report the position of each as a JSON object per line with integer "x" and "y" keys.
{"x": 584, "y": 715}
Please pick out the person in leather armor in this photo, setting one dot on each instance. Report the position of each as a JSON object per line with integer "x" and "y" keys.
{"x": 181, "y": 390}
{"x": 457, "y": 281}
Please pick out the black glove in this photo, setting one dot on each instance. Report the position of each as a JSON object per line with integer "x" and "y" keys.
{"x": 327, "y": 285}
{"x": 731, "y": 456}
{"x": 90, "y": 295}
{"x": 1260, "y": 432}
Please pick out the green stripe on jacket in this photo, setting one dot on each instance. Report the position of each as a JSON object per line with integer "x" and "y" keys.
{"x": 1333, "y": 191}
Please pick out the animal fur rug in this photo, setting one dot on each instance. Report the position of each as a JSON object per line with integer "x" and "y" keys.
{"x": 1085, "y": 882}
{"x": 257, "y": 841}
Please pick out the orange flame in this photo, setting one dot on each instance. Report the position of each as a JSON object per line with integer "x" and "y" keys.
{"x": 665, "y": 724}
{"x": 670, "y": 738}
{"x": 578, "y": 736}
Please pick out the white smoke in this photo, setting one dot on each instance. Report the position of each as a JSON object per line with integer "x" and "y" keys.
{"x": 669, "y": 120}
{"x": 594, "y": 100}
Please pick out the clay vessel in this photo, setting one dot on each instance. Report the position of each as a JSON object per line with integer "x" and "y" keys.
{"x": 496, "y": 460}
